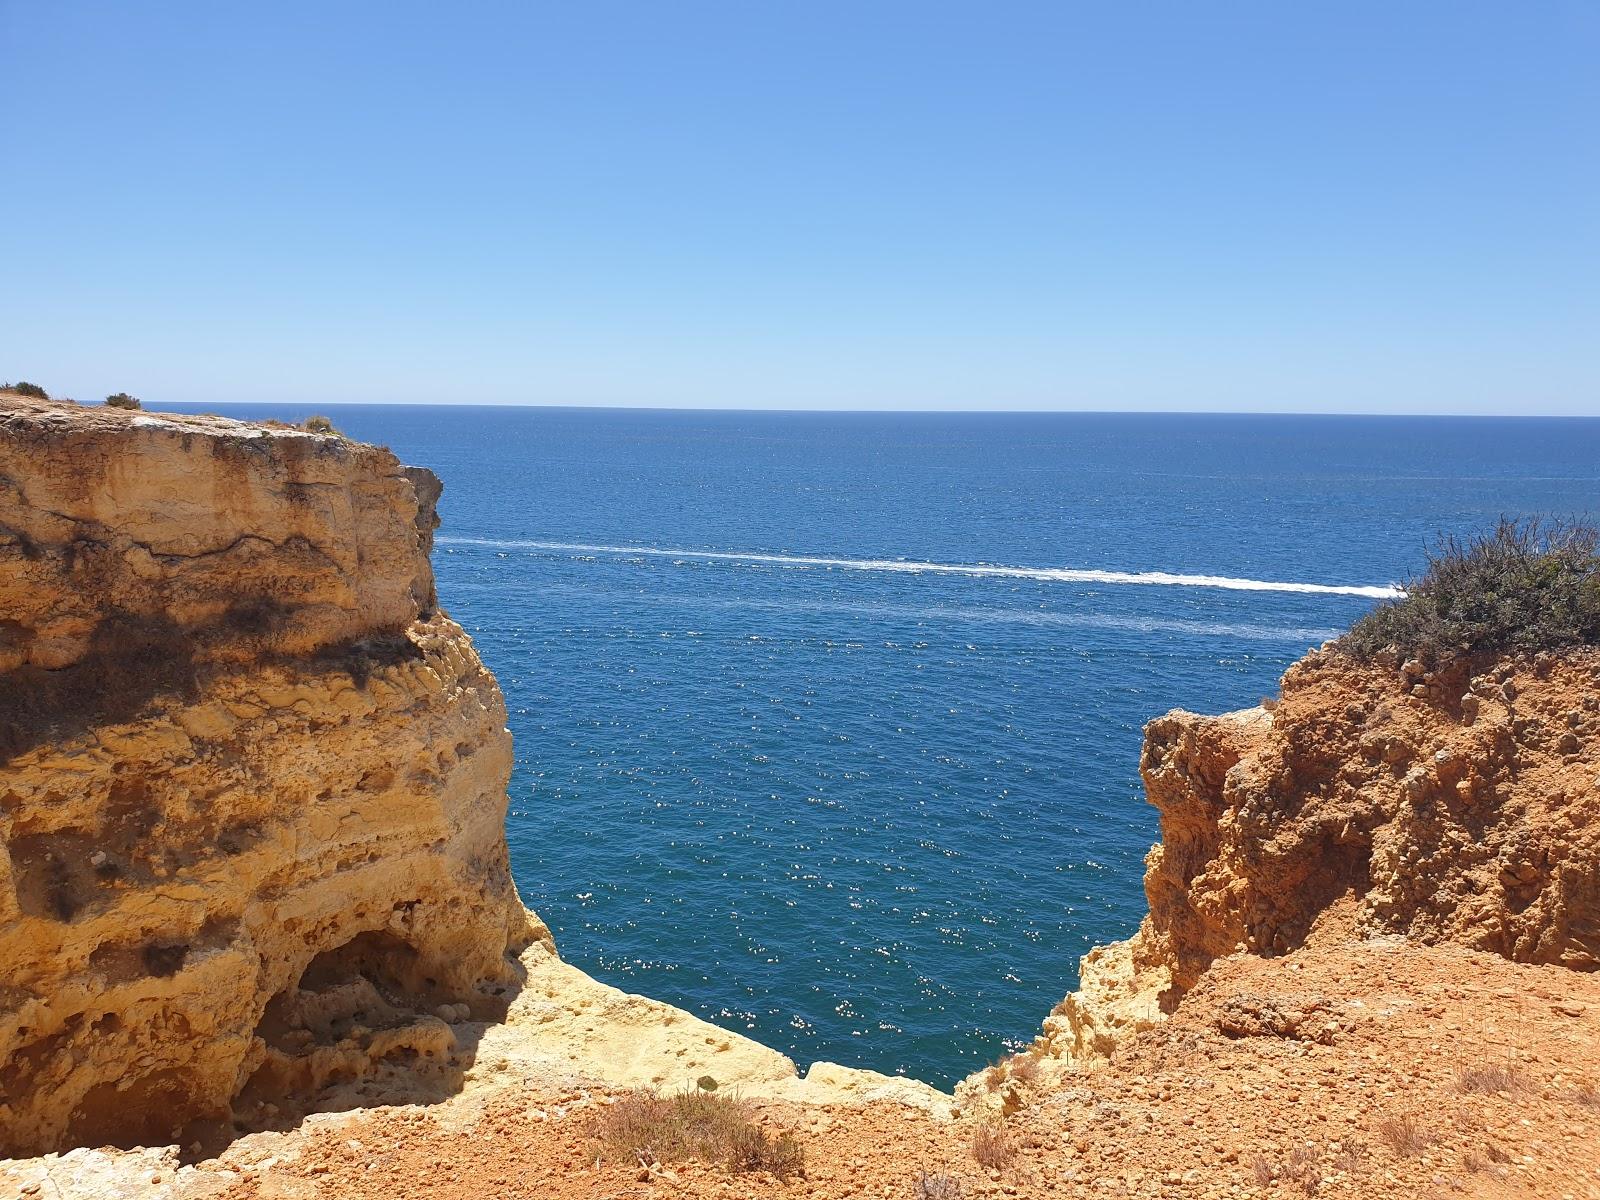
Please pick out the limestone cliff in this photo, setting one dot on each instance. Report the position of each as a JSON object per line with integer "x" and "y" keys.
{"x": 252, "y": 803}
{"x": 253, "y": 780}
{"x": 1459, "y": 808}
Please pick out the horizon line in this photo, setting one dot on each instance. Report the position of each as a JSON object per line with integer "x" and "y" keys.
{"x": 912, "y": 412}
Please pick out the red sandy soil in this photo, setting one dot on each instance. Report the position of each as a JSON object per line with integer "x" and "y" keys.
{"x": 1349, "y": 1068}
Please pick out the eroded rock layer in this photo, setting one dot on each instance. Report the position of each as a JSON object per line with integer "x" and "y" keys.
{"x": 1457, "y": 808}
{"x": 252, "y": 781}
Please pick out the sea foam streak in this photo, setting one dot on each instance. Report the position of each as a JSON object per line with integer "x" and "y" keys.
{"x": 977, "y": 616}
{"x": 1047, "y": 574}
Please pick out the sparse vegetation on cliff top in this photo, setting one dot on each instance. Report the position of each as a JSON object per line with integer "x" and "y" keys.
{"x": 654, "y": 1129}
{"x": 23, "y": 388}
{"x": 992, "y": 1147}
{"x": 1524, "y": 587}
{"x": 122, "y": 400}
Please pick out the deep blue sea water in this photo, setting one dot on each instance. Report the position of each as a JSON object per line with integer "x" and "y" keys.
{"x": 870, "y": 812}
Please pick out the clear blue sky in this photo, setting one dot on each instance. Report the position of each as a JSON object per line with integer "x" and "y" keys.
{"x": 1341, "y": 205}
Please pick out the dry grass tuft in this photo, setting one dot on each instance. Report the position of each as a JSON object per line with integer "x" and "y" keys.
{"x": 1403, "y": 1135}
{"x": 1302, "y": 1169}
{"x": 1263, "y": 1169}
{"x": 1586, "y": 1094}
{"x": 1489, "y": 1078}
{"x": 1025, "y": 1067}
{"x": 992, "y": 1148}
{"x": 939, "y": 1186}
{"x": 713, "y": 1128}
{"x": 1352, "y": 1157}
{"x": 1022, "y": 1067}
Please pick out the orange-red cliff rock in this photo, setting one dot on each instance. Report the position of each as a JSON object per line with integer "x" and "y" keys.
{"x": 1375, "y": 798}
{"x": 1461, "y": 810}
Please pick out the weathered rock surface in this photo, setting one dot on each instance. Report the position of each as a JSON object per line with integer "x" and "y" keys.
{"x": 254, "y": 784}
{"x": 138, "y": 551}
{"x": 1459, "y": 809}
{"x": 252, "y": 803}
{"x": 1467, "y": 813}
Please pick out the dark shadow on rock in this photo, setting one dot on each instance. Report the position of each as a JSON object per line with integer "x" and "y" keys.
{"x": 363, "y": 1026}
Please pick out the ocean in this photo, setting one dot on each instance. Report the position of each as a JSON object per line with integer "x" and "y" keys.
{"x": 828, "y": 725}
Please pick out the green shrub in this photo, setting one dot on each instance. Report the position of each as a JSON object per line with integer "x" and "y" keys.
{"x": 122, "y": 400}
{"x": 319, "y": 425}
{"x": 1527, "y": 586}
{"x": 24, "y": 388}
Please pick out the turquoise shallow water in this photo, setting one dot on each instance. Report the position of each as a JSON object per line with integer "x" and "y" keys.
{"x": 869, "y": 810}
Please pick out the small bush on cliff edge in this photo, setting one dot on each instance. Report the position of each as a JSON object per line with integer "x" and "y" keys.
{"x": 1527, "y": 586}
{"x": 122, "y": 400}
{"x": 23, "y": 388}
{"x": 319, "y": 425}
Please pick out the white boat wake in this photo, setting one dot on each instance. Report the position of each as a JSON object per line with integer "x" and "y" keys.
{"x": 903, "y": 566}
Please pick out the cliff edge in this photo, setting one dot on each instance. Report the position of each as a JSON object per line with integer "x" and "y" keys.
{"x": 1370, "y": 801}
{"x": 253, "y": 782}
{"x": 252, "y": 806}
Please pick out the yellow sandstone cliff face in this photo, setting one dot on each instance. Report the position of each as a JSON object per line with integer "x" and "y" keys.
{"x": 253, "y": 781}
{"x": 252, "y": 804}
